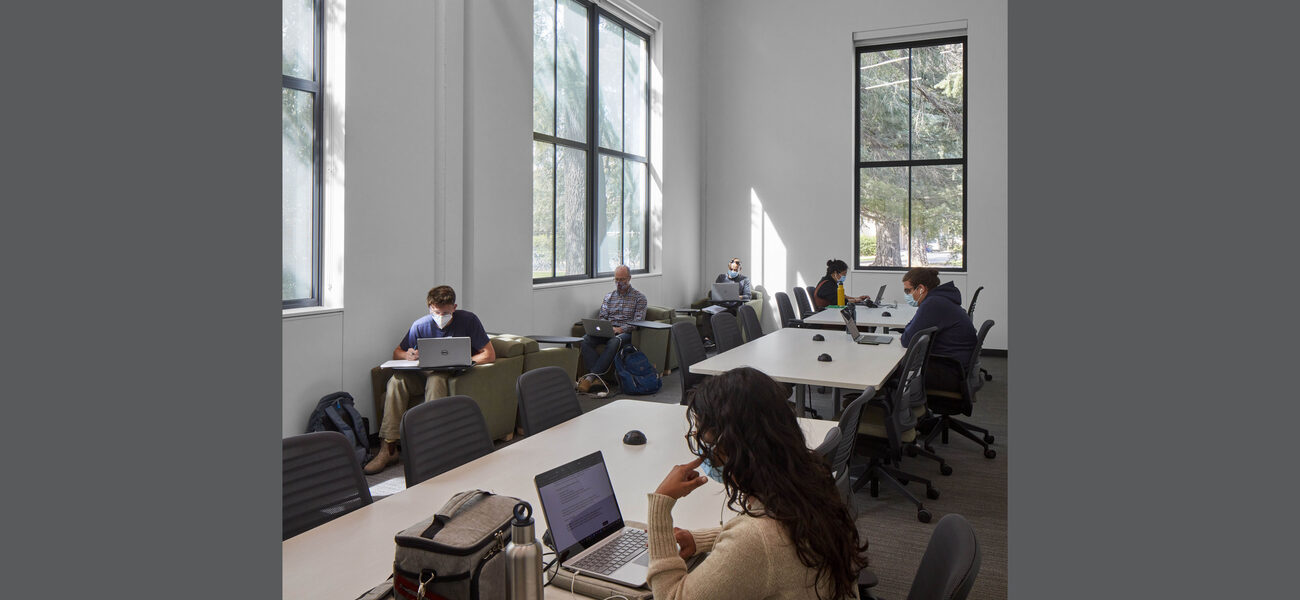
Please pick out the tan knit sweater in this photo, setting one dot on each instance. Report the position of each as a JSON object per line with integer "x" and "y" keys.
{"x": 750, "y": 558}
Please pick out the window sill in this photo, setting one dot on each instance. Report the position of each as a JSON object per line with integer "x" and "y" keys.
{"x": 309, "y": 311}
{"x": 601, "y": 280}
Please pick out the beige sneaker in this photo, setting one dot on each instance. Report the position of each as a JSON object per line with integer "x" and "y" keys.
{"x": 584, "y": 384}
{"x": 387, "y": 456}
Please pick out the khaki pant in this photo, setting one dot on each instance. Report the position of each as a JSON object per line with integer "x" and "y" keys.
{"x": 401, "y": 386}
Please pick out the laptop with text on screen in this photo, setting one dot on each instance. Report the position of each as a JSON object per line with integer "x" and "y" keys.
{"x": 587, "y": 525}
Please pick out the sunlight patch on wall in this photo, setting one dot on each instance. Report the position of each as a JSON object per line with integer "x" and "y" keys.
{"x": 766, "y": 249}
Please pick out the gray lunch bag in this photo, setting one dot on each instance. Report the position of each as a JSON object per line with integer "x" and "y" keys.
{"x": 457, "y": 553}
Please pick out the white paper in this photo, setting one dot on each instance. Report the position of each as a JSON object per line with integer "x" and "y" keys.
{"x": 400, "y": 364}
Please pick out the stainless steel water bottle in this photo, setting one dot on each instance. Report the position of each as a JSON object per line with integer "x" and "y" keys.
{"x": 523, "y": 557}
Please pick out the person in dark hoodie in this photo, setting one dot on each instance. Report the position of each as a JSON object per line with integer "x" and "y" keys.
{"x": 938, "y": 306}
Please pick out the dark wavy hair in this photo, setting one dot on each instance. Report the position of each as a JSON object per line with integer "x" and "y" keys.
{"x": 764, "y": 456}
{"x": 836, "y": 265}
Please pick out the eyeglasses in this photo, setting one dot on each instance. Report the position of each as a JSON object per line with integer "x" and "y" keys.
{"x": 622, "y": 279}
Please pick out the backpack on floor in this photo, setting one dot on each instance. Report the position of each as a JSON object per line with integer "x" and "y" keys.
{"x": 336, "y": 412}
{"x": 636, "y": 375}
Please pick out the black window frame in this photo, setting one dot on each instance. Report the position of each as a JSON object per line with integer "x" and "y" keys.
{"x": 316, "y": 87}
{"x": 859, "y": 164}
{"x": 594, "y": 150}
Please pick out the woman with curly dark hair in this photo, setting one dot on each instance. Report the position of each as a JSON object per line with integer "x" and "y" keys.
{"x": 793, "y": 538}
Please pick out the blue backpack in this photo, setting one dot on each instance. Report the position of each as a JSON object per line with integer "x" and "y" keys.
{"x": 336, "y": 412}
{"x": 636, "y": 375}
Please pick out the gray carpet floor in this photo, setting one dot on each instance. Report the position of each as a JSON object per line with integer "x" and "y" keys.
{"x": 977, "y": 490}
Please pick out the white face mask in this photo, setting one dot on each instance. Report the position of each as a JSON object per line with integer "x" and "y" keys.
{"x": 442, "y": 320}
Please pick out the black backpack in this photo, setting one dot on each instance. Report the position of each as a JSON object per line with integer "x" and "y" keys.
{"x": 336, "y": 412}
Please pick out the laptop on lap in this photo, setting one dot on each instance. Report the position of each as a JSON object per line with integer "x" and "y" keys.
{"x": 444, "y": 352}
{"x": 725, "y": 291}
{"x": 598, "y": 328}
{"x": 587, "y": 525}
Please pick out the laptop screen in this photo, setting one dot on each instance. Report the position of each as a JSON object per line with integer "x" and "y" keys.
{"x": 881, "y": 294}
{"x": 579, "y": 504}
{"x": 850, "y": 325}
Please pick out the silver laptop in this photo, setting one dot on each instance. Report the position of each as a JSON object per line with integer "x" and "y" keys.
{"x": 444, "y": 352}
{"x": 727, "y": 290}
{"x": 587, "y": 526}
{"x": 880, "y": 295}
{"x": 598, "y": 328}
{"x": 851, "y": 328}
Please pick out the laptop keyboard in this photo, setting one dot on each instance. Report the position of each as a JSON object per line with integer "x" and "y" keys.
{"x": 611, "y": 556}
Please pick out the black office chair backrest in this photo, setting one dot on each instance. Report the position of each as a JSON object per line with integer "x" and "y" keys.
{"x": 546, "y": 399}
{"x": 830, "y": 444}
{"x": 812, "y": 293}
{"x": 973, "y": 377}
{"x": 690, "y": 350}
{"x": 322, "y": 480}
{"x": 950, "y": 563}
{"x": 749, "y": 320}
{"x": 910, "y": 392}
{"x": 440, "y": 435}
{"x": 786, "y": 310}
{"x": 726, "y": 332}
{"x": 848, "y": 427}
{"x": 970, "y": 312}
{"x": 805, "y": 306}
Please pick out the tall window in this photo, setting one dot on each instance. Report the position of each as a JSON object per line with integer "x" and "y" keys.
{"x": 591, "y": 139}
{"x": 301, "y": 32}
{"x": 911, "y": 155}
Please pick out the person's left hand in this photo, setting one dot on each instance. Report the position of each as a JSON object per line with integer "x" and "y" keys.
{"x": 682, "y": 480}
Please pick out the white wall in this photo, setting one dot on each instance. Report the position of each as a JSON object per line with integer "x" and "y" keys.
{"x": 779, "y": 144}
{"x": 431, "y": 203}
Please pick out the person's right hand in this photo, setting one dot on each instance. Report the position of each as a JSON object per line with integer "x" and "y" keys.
{"x": 412, "y": 354}
{"x": 682, "y": 480}
{"x": 686, "y": 541}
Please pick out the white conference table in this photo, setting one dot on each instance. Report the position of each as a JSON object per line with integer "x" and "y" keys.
{"x": 790, "y": 355}
{"x": 898, "y": 317}
{"x": 346, "y": 557}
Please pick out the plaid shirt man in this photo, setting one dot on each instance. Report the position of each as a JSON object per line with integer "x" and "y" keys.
{"x": 620, "y": 309}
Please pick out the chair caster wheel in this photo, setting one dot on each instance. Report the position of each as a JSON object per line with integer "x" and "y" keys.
{"x": 990, "y": 453}
{"x": 944, "y": 469}
{"x": 932, "y": 493}
{"x": 988, "y": 439}
{"x": 902, "y": 481}
{"x": 923, "y": 515}
{"x": 910, "y": 451}
{"x": 988, "y": 377}
{"x": 929, "y": 448}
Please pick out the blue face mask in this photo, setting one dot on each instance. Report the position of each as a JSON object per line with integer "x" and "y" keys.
{"x": 711, "y": 470}
{"x": 911, "y": 301}
{"x": 732, "y": 274}
{"x": 842, "y": 278}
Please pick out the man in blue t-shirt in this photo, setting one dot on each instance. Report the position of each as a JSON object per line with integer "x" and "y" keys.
{"x": 443, "y": 320}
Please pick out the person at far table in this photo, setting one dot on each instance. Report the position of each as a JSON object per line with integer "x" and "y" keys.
{"x": 443, "y": 320}
{"x": 825, "y": 294}
{"x": 733, "y": 276}
{"x": 620, "y": 307}
{"x": 793, "y": 537}
{"x": 938, "y": 306}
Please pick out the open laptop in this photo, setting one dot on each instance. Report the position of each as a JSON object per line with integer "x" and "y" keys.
{"x": 587, "y": 526}
{"x": 851, "y": 328}
{"x": 444, "y": 352}
{"x": 869, "y": 303}
{"x": 598, "y": 327}
{"x": 727, "y": 290}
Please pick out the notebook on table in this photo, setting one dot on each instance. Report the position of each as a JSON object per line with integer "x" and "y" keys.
{"x": 587, "y": 526}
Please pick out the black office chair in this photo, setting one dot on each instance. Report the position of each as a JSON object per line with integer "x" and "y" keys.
{"x": 440, "y": 435}
{"x": 805, "y": 305}
{"x": 786, "y": 310}
{"x": 749, "y": 321}
{"x": 690, "y": 350}
{"x": 726, "y": 331}
{"x": 950, "y": 390}
{"x": 546, "y": 399}
{"x": 847, "y": 441}
{"x": 812, "y": 293}
{"x": 948, "y": 568}
{"x": 889, "y": 421}
{"x": 970, "y": 312}
{"x": 321, "y": 481}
